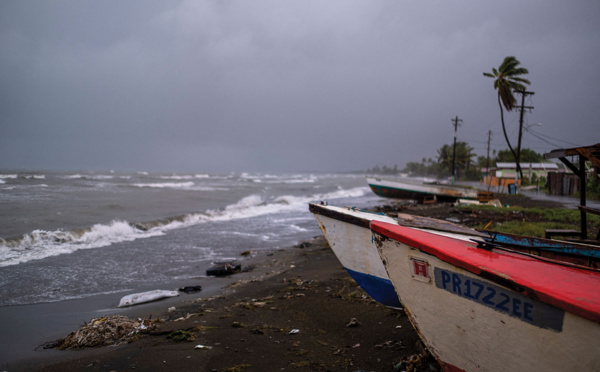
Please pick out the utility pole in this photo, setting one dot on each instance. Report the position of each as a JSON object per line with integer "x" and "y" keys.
{"x": 456, "y": 122}
{"x": 487, "y": 161}
{"x": 522, "y": 109}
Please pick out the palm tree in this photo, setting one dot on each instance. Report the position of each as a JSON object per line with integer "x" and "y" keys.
{"x": 464, "y": 158}
{"x": 507, "y": 81}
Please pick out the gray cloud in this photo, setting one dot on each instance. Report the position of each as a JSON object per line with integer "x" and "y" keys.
{"x": 285, "y": 86}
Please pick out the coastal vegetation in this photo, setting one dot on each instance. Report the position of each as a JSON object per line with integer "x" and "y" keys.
{"x": 529, "y": 221}
{"x": 468, "y": 164}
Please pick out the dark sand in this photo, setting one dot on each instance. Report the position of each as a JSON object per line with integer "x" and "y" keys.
{"x": 251, "y": 325}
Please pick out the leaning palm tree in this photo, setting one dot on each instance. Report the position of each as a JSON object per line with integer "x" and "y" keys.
{"x": 507, "y": 81}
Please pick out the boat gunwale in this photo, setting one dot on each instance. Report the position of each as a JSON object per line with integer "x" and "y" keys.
{"x": 571, "y": 303}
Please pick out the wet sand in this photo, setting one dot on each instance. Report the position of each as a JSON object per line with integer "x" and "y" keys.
{"x": 293, "y": 311}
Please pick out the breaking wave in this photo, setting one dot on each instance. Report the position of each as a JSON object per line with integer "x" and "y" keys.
{"x": 169, "y": 185}
{"x": 41, "y": 244}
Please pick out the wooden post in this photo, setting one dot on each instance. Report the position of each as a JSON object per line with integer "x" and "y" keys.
{"x": 582, "y": 196}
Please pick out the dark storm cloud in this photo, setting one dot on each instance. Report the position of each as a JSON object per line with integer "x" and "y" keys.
{"x": 283, "y": 85}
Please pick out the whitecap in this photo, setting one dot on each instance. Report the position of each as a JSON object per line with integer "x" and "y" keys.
{"x": 172, "y": 185}
{"x": 40, "y": 244}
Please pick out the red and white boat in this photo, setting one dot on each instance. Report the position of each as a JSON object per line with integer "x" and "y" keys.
{"x": 489, "y": 309}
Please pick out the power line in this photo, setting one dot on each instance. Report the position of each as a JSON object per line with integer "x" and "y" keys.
{"x": 541, "y": 137}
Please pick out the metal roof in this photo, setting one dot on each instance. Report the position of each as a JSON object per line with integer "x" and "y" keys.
{"x": 544, "y": 166}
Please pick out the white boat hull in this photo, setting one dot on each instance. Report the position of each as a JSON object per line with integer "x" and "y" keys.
{"x": 347, "y": 241}
{"x": 467, "y": 334}
{"x": 349, "y": 236}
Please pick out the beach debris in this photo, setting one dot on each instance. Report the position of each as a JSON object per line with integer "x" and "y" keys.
{"x": 203, "y": 347}
{"x": 353, "y": 323}
{"x": 181, "y": 335}
{"x": 390, "y": 344}
{"x": 238, "y": 368}
{"x": 237, "y": 325}
{"x": 143, "y": 297}
{"x": 223, "y": 268}
{"x": 105, "y": 331}
{"x": 171, "y": 309}
{"x": 190, "y": 289}
{"x": 294, "y": 331}
{"x": 253, "y": 304}
{"x": 411, "y": 364}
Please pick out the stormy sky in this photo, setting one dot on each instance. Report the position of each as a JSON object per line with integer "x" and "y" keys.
{"x": 276, "y": 85}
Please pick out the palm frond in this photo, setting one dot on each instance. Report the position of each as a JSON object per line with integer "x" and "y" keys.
{"x": 521, "y": 80}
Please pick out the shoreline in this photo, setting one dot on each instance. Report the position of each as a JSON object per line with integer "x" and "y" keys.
{"x": 251, "y": 321}
{"x": 245, "y": 319}
{"x": 26, "y": 329}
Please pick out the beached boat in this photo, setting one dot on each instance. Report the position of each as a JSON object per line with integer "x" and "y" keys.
{"x": 349, "y": 236}
{"x": 419, "y": 191}
{"x": 577, "y": 253}
{"x": 487, "y": 309}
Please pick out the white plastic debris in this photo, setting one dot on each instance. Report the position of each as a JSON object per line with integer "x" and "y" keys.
{"x": 294, "y": 331}
{"x": 143, "y": 297}
{"x": 203, "y": 347}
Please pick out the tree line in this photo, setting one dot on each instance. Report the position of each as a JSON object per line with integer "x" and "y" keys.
{"x": 468, "y": 165}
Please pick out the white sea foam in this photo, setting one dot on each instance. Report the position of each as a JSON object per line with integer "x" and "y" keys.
{"x": 35, "y": 176}
{"x": 169, "y": 185}
{"x": 41, "y": 244}
{"x": 185, "y": 177}
{"x": 8, "y": 176}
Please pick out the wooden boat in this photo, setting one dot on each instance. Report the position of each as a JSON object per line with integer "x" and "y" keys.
{"x": 419, "y": 191}
{"x": 576, "y": 253}
{"x": 487, "y": 309}
{"x": 349, "y": 236}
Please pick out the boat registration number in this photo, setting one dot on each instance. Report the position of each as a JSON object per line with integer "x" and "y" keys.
{"x": 500, "y": 299}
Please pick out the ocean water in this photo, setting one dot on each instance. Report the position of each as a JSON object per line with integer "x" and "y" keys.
{"x": 72, "y": 235}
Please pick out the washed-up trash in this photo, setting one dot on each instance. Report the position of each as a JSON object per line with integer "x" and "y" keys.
{"x": 353, "y": 323}
{"x": 224, "y": 268}
{"x": 412, "y": 363}
{"x": 190, "y": 289}
{"x": 294, "y": 331}
{"x": 105, "y": 331}
{"x": 143, "y": 297}
{"x": 203, "y": 347}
